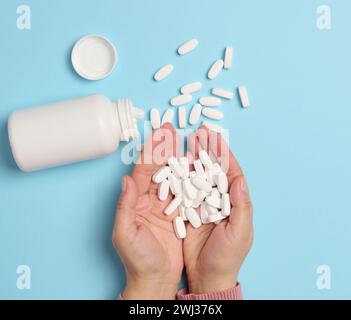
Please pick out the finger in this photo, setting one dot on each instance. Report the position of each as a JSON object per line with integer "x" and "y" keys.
{"x": 240, "y": 219}
{"x": 156, "y": 151}
{"x": 125, "y": 212}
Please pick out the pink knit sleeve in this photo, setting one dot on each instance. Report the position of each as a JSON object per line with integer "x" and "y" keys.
{"x": 229, "y": 294}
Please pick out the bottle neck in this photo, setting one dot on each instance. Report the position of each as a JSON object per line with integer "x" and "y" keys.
{"x": 128, "y": 116}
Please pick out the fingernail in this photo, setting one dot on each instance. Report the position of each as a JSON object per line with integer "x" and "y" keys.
{"x": 243, "y": 184}
{"x": 124, "y": 184}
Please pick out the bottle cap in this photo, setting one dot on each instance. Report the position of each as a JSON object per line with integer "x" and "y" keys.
{"x": 93, "y": 57}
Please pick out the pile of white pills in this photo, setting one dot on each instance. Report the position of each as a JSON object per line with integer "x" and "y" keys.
{"x": 205, "y": 189}
{"x": 205, "y": 104}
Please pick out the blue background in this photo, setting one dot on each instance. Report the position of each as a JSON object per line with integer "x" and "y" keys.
{"x": 293, "y": 143}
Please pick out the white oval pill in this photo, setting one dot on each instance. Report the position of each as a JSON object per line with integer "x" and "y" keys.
{"x": 211, "y": 210}
{"x": 168, "y": 116}
{"x": 244, "y": 98}
{"x": 175, "y": 167}
{"x": 179, "y": 227}
{"x": 163, "y": 190}
{"x": 212, "y": 113}
{"x": 188, "y": 46}
{"x": 216, "y": 168}
{"x": 199, "y": 168}
{"x": 203, "y": 213}
{"x": 210, "y": 177}
{"x": 215, "y": 69}
{"x": 181, "y": 100}
{"x": 226, "y": 205}
{"x": 191, "y": 87}
{"x": 187, "y": 203}
{"x": 205, "y": 159}
{"x": 193, "y": 217}
{"x": 181, "y": 117}
{"x": 161, "y": 174}
{"x": 184, "y": 163}
{"x": 222, "y": 93}
{"x": 210, "y": 101}
{"x": 182, "y": 214}
{"x": 189, "y": 190}
{"x": 214, "y": 202}
{"x": 175, "y": 184}
{"x": 201, "y": 184}
{"x": 222, "y": 182}
{"x": 173, "y": 205}
{"x": 195, "y": 114}
{"x": 164, "y": 72}
{"x": 200, "y": 196}
{"x": 213, "y": 126}
{"x": 228, "y": 57}
{"x": 215, "y": 193}
{"x": 155, "y": 118}
{"x": 214, "y": 218}
{"x": 192, "y": 174}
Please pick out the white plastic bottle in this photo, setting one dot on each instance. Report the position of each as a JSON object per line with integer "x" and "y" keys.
{"x": 71, "y": 131}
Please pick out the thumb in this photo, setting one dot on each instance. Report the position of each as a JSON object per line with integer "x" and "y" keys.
{"x": 125, "y": 213}
{"x": 240, "y": 218}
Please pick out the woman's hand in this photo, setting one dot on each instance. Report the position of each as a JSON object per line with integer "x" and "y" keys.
{"x": 143, "y": 234}
{"x": 213, "y": 254}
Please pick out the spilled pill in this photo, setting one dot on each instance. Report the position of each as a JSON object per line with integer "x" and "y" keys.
{"x": 155, "y": 118}
{"x": 191, "y": 87}
{"x": 215, "y": 69}
{"x": 181, "y": 100}
{"x": 179, "y": 227}
{"x": 213, "y": 126}
{"x": 188, "y": 46}
{"x": 210, "y": 101}
{"x": 168, "y": 116}
{"x": 164, "y": 72}
{"x": 222, "y": 93}
{"x": 228, "y": 57}
{"x": 212, "y": 113}
{"x": 195, "y": 114}
{"x": 181, "y": 117}
{"x": 244, "y": 98}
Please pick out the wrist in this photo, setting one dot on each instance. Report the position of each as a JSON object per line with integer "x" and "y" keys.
{"x": 208, "y": 285}
{"x": 149, "y": 289}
